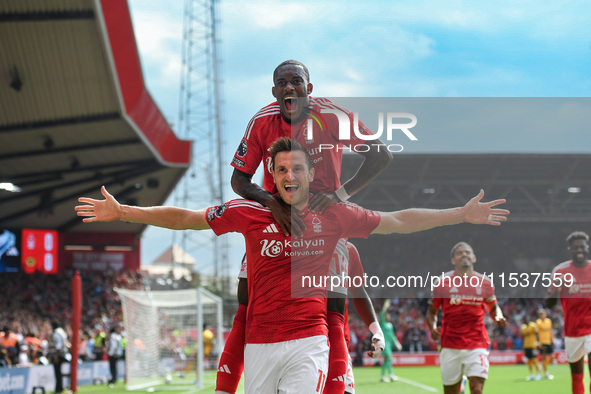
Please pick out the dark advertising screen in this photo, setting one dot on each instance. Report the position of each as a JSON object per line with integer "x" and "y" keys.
{"x": 10, "y": 253}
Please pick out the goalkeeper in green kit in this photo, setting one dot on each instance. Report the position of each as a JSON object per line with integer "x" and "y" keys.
{"x": 390, "y": 341}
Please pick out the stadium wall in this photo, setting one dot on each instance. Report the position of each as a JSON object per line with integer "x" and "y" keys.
{"x": 23, "y": 379}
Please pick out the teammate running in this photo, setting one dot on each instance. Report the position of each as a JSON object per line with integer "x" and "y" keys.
{"x": 464, "y": 340}
{"x": 572, "y": 280}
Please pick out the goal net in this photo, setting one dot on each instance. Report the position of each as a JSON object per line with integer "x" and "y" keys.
{"x": 165, "y": 346}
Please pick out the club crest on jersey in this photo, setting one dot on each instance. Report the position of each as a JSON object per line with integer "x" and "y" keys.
{"x": 271, "y": 248}
{"x": 242, "y": 149}
{"x": 316, "y": 224}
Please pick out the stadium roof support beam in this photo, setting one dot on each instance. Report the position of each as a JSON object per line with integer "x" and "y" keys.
{"x": 75, "y": 120}
{"x": 46, "y": 16}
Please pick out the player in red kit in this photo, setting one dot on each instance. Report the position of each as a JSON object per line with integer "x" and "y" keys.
{"x": 295, "y": 114}
{"x": 286, "y": 341}
{"x": 464, "y": 341}
{"x": 364, "y": 308}
{"x": 572, "y": 283}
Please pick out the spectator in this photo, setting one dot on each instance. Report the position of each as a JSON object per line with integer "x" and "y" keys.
{"x": 114, "y": 352}
{"x": 23, "y": 356}
{"x": 58, "y": 348}
{"x": 5, "y": 361}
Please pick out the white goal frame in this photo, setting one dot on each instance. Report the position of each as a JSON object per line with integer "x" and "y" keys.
{"x": 147, "y": 329}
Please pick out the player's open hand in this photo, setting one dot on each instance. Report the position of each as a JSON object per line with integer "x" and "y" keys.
{"x": 378, "y": 343}
{"x": 106, "y": 210}
{"x": 290, "y": 223}
{"x": 320, "y": 201}
{"x": 477, "y": 212}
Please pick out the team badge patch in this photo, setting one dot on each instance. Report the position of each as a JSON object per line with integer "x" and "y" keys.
{"x": 242, "y": 149}
{"x": 210, "y": 214}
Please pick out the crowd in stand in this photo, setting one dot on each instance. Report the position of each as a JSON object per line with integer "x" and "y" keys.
{"x": 37, "y": 300}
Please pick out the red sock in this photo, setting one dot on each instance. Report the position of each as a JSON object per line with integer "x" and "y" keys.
{"x": 577, "y": 383}
{"x": 232, "y": 359}
{"x": 337, "y": 357}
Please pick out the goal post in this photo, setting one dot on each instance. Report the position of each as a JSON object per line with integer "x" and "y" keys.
{"x": 164, "y": 331}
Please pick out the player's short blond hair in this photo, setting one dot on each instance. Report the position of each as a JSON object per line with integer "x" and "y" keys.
{"x": 577, "y": 235}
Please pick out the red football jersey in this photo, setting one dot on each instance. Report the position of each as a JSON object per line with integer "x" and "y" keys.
{"x": 282, "y": 304}
{"x": 575, "y": 299}
{"x": 463, "y": 303}
{"x": 268, "y": 125}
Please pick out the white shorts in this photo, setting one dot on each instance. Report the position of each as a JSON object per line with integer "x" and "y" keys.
{"x": 349, "y": 378}
{"x": 577, "y": 347}
{"x": 339, "y": 264}
{"x": 291, "y": 367}
{"x": 455, "y": 362}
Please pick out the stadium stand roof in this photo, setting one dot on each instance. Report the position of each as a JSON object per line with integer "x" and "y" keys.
{"x": 76, "y": 115}
{"x": 536, "y": 186}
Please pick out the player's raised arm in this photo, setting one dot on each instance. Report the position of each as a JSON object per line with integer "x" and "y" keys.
{"x": 376, "y": 160}
{"x": 109, "y": 210}
{"x": 412, "y": 220}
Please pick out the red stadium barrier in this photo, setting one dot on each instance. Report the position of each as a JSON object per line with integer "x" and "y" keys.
{"x": 506, "y": 357}
{"x": 76, "y": 318}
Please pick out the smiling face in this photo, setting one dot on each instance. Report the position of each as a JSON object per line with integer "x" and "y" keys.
{"x": 292, "y": 176}
{"x": 291, "y": 91}
{"x": 463, "y": 258}
{"x": 579, "y": 249}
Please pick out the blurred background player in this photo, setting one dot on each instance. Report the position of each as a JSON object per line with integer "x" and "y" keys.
{"x": 390, "y": 342}
{"x": 529, "y": 332}
{"x": 546, "y": 336}
{"x": 287, "y": 117}
{"x": 464, "y": 340}
{"x": 208, "y": 342}
{"x": 575, "y": 297}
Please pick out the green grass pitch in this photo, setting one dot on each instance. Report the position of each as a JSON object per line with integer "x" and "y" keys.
{"x": 413, "y": 380}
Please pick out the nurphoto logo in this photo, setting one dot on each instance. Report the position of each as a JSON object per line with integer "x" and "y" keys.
{"x": 390, "y": 122}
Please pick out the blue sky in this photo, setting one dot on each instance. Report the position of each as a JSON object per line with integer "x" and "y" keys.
{"x": 374, "y": 49}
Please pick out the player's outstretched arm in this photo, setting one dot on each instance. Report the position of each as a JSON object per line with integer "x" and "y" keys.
{"x": 109, "y": 209}
{"x": 376, "y": 160}
{"x": 414, "y": 219}
{"x": 243, "y": 185}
